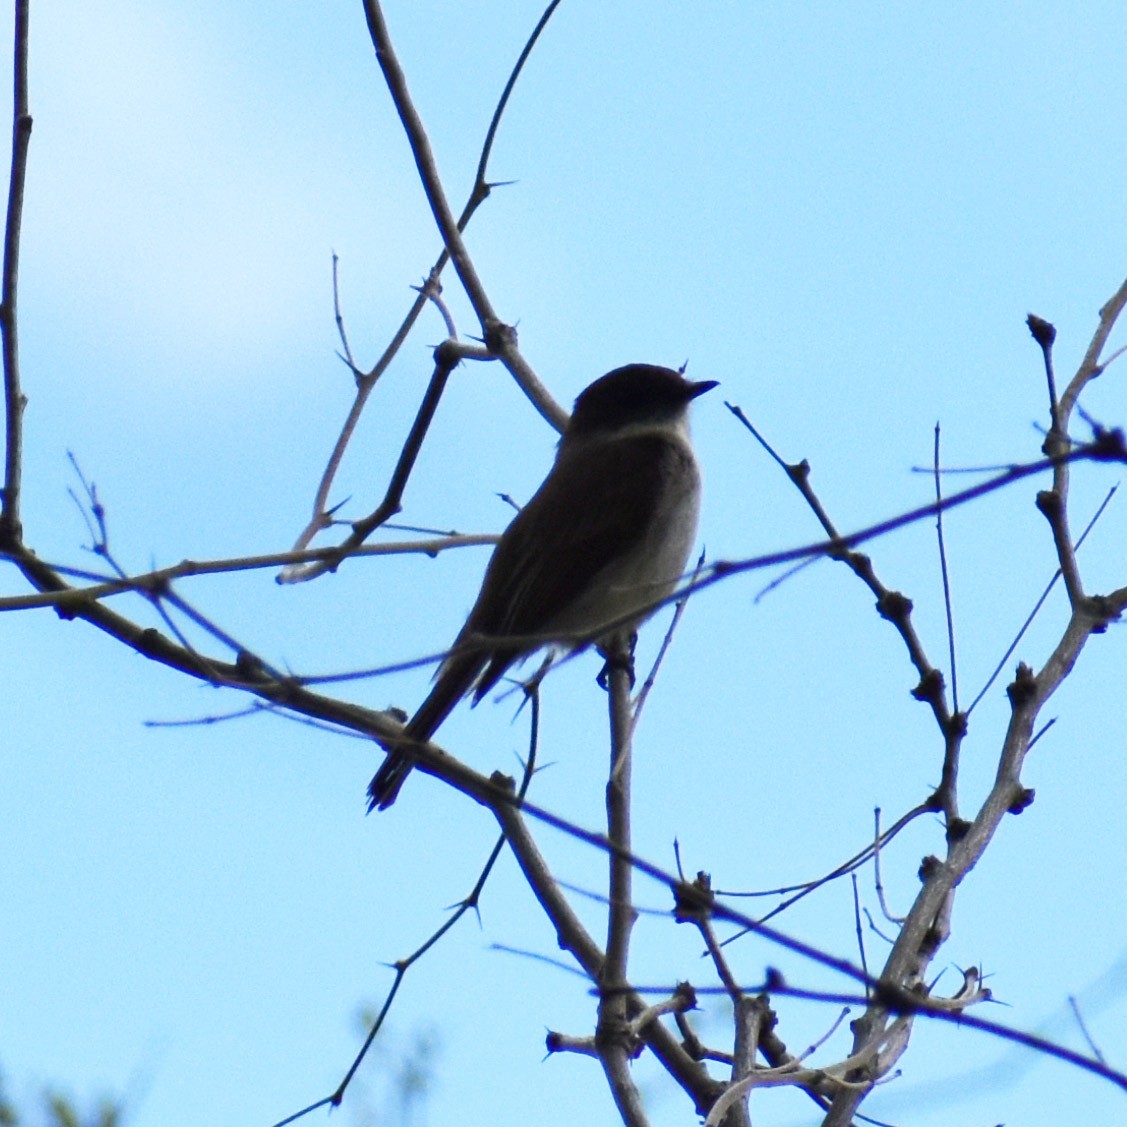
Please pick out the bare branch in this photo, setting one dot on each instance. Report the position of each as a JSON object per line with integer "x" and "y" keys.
{"x": 366, "y": 382}
{"x": 471, "y": 901}
{"x": 14, "y": 398}
{"x": 499, "y": 337}
{"x": 103, "y": 586}
{"x": 891, "y": 605}
{"x": 1054, "y": 503}
{"x": 446, "y": 357}
{"x": 613, "y": 1034}
{"x": 574, "y": 937}
{"x": 682, "y": 999}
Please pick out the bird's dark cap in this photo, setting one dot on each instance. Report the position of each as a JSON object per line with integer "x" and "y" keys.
{"x": 635, "y": 393}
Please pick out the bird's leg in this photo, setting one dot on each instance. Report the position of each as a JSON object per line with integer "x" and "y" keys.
{"x": 617, "y": 652}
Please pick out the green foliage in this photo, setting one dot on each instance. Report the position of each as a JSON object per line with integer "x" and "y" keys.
{"x": 59, "y": 1111}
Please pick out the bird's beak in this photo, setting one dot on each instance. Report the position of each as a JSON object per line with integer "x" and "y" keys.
{"x": 701, "y": 386}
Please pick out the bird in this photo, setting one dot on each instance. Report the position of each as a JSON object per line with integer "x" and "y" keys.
{"x": 604, "y": 539}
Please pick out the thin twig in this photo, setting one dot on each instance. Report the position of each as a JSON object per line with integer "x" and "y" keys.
{"x": 663, "y": 649}
{"x": 1053, "y": 505}
{"x": 1039, "y": 604}
{"x": 1095, "y": 1049}
{"x": 891, "y": 605}
{"x": 927, "y": 925}
{"x": 103, "y": 586}
{"x": 14, "y": 399}
{"x": 857, "y": 924}
{"x": 955, "y": 727}
{"x": 1044, "y": 334}
{"x": 346, "y": 356}
{"x": 471, "y": 901}
{"x": 946, "y": 577}
{"x": 481, "y": 185}
{"x": 446, "y": 357}
{"x": 849, "y": 866}
{"x": 878, "y": 841}
{"x": 1039, "y": 733}
{"x": 97, "y": 524}
{"x": 499, "y": 337}
{"x": 845, "y": 867}
{"x": 366, "y": 383}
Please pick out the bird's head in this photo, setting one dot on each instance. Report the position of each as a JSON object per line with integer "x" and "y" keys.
{"x": 636, "y": 395}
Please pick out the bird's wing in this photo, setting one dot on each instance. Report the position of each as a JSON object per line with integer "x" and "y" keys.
{"x": 593, "y": 505}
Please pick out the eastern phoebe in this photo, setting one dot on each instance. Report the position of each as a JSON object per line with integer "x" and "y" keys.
{"x": 606, "y": 537}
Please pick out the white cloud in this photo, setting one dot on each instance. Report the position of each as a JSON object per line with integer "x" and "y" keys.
{"x": 172, "y": 197}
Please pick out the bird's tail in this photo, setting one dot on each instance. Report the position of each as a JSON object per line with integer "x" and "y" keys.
{"x": 455, "y": 678}
{"x": 384, "y": 787}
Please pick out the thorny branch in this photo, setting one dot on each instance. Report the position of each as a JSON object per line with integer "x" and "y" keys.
{"x": 446, "y": 357}
{"x": 100, "y": 586}
{"x": 927, "y": 925}
{"x": 899, "y": 993}
{"x": 469, "y": 903}
{"x": 500, "y": 340}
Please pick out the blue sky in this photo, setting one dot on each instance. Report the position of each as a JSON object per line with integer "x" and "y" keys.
{"x": 843, "y": 214}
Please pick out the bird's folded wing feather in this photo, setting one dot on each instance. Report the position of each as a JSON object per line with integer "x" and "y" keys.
{"x": 602, "y": 503}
